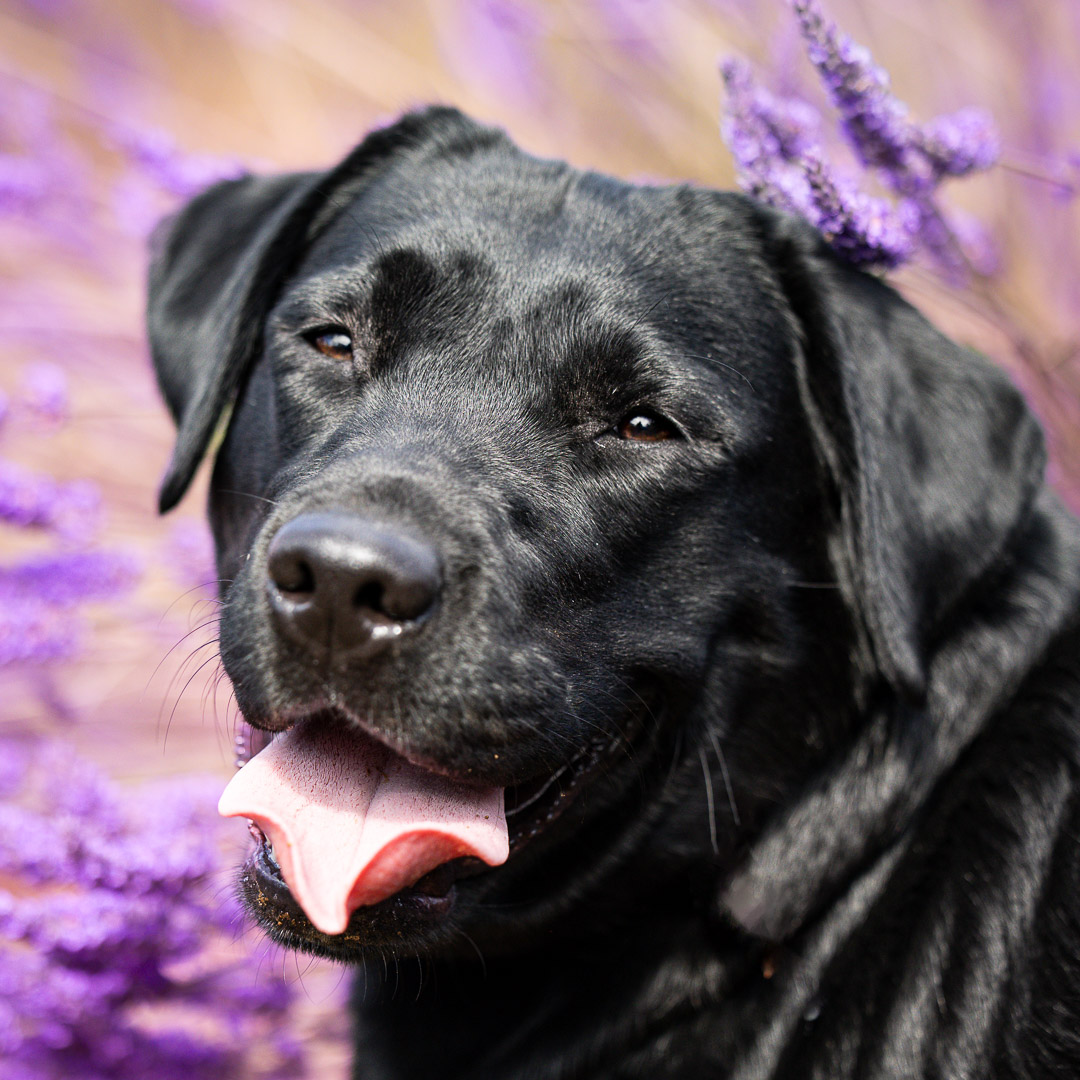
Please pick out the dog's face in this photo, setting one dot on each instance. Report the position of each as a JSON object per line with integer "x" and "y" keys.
{"x": 557, "y": 485}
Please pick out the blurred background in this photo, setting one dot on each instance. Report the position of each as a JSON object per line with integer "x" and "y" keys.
{"x": 111, "y": 113}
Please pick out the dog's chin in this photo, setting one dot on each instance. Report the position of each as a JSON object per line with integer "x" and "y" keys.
{"x": 434, "y": 915}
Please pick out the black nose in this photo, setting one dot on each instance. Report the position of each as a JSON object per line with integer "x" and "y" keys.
{"x": 342, "y": 584}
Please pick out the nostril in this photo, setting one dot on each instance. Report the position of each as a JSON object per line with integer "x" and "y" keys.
{"x": 370, "y": 597}
{"x": 292, "y": 575}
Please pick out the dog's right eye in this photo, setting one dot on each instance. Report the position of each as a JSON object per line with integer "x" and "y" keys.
{"x": 332, "y": 341}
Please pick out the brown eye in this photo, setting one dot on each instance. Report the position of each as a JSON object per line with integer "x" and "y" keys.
{"x": 644, "y": 425}
{"x": 332, "y": 342}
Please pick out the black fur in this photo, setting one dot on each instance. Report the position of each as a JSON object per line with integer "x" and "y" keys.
{"x": 830, "y": 628}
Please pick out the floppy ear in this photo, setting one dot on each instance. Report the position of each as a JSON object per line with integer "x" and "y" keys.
{"x": 935, "y": 467}
{"x": 219, "y": 265}
{"x": 204, "y": 306}
{"x": 931, "y": 455}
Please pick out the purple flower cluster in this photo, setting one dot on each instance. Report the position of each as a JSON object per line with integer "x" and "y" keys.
{"x": 32, "y": 500}
{"x": 158, "y": 173}
{"x": 44, "y": 180}
{"x": 37, "y": 594}
{"x": 117, "y": 933}
{"x": 157, "y": 157}
{"x": 780, "y": 160}
{"x": 116, "y": 956}
{"x": 775, "y": 145}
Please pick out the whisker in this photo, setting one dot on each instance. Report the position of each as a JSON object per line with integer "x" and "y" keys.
{"x": 727, "y": 367}
{"x": 249, "y": 495}
{"x": 727, "y": 778}
{"x": 476, "y": 949}
{"x": 709, "y": 797}
{"x": 201, "y": 626}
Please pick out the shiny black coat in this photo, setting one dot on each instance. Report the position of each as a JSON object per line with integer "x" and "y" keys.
{"x": 826, "y": 627}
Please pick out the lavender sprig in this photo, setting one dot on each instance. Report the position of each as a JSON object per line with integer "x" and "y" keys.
{"x": 155, "y": 155}
{"x": 774, "y": 143}
{"x": 875, "y": 122}
{"x": 779, "y": 159}
{"x": 911, "y": 159}
{"x": 31, "y": 500}
{"x": 114, "y": 955}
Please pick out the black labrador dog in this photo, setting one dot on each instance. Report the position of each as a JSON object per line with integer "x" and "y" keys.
{"x": 691, "y": 566}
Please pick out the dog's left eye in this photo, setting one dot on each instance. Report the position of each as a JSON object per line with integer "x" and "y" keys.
{"x": 646, "y": 425}
{"x": 331, "y": 341}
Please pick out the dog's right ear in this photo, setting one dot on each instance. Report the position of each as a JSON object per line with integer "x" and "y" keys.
{"x": 218, "y": 267}
{"x": 210, "y": 265}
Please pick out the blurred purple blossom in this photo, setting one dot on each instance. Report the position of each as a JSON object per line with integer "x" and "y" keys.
{"x": 115, "y": 958}
{"x": 38, "y": 592}
{"x": 34, "y": 632}
{"x": 24, "y": 184}
{"x": 28, "y": 499}
{"x": 63, "y": 580}
{"x": 44, "y": 179}
{"x": 962, "y": 142}
{"x": 44, "y": 390}
{"x": 155, "y": 155}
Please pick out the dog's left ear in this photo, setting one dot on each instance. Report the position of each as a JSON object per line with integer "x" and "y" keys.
{"x": 931, "y": 463}
{"x": 931, "y": 455}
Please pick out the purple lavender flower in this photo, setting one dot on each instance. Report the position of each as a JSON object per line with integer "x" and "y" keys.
{"x": 66, "y": 579}
{"x": 119, "y": 918}
{"x": 44, "y": 390}
{"x": 912, "y": 160}
{"x": 780, "y": 161}
{"x": 875, "y": 121}
{"x": 28, "y": 499}
{"x": 156, "y": 156}
{"x": 768, "y": 137}
{"x": 863, "y": 229}
{"x": 774, "y": 143}
{"x": 962, "y": 142}
{"x": 761, "y": 125}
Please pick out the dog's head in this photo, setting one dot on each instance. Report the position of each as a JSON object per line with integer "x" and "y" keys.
{"x": 616, "y": 503}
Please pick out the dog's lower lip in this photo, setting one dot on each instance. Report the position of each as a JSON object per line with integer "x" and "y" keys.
{"x": 432, "y": 897}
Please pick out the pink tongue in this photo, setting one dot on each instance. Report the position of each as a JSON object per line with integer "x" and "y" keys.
{"x": 353, "y": 823}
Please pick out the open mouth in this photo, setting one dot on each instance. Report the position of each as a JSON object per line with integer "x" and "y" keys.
{"x": 419, "y": 892}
